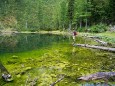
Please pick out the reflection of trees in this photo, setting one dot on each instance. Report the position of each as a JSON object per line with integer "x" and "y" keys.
{"x": 25, "y": 42}
{"x": 8, "y": 43}
{"x": 37, "y": 41}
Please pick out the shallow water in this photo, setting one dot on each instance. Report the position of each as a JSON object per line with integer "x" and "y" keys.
{"x": 44, "y": 58}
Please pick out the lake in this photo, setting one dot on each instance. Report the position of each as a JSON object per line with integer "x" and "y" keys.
{"x": 42, "y": 59}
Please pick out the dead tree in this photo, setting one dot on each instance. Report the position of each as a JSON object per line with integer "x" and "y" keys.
{"x": 98, "y": 75}
{"x": 5, "y": 74}
{"x": 106, "y": 76}
{"x": 96, "y": 47}
{"x": 57, "y": 81}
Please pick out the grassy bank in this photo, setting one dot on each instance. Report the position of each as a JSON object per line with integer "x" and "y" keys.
{"x": 105, "y": 36}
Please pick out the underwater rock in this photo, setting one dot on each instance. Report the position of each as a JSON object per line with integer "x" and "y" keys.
{"x": 7, "y": 77}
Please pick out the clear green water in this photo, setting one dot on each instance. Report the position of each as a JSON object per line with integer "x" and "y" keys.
{"x": 46, "y": 57}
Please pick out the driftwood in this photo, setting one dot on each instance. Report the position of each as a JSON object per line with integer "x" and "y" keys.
{"x": 53, "y": 84}
{"x": 100, "y": 75}
{"x": 31, "y": 82}
{"x": 97, "y": 39}
{"x": 96, "y": 47}
{"x": 6, "y": 77}
{"x": 102, "y": 42}
{"x": 106, "y": 76}
{"x": 5, "y": 74}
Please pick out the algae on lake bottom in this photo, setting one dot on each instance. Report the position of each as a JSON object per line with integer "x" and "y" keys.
{"x": 41, "y": 61}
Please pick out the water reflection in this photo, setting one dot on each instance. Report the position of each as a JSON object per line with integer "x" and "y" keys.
{"x": 97, "y": 84}
{"x": 60, "y": 58}
{"x": 26, "y": 42}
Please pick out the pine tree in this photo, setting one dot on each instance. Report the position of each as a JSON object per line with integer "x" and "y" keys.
{"x": 111, "y": 11}
{"x": 70, "y": 12}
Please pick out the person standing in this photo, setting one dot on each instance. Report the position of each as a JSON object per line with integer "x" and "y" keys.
{"x": 74, "y": 34}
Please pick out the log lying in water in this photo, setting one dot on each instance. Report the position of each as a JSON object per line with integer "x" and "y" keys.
{"x": 100, "y": 75}
{"x": 53, "y": 84}
{"x": 93, "y": 37}
{"x": 5, "y": 74}
{"x": 97, "y": 39}
{"x": 101, "y": 42}
{"x": 96, "y": 47}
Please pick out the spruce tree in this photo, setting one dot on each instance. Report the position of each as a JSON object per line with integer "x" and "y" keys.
{"x": 111, "y": 13}
{"x": 70, "y": 12}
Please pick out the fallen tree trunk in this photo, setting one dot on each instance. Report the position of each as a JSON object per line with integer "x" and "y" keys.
{"x": 106, "y": 76}
{"x": 5, "y": 74}
{"x": 57, "y": 81}
{"x": 99, "y": 75}
{"x": 97, "y": 39}
{"x": 86, "y": 35}
{"x": 96, "y": 47}
{"x": 102, "y": 42}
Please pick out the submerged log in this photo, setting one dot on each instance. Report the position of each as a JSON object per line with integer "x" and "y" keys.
{"x": 96, "y": 47}
{"x": 53, "y": 84}
{"x": 5, "y": 74}
{"x": 100, "y": 75}
{"x": 31, "y": 82}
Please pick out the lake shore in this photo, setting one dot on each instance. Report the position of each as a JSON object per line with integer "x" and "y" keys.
{"x": 108, "y": 34}
{"x": 42, "y": 32}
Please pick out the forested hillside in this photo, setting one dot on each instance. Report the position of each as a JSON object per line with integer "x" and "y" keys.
{"x": 35, "y": 15}
{"x": 57, "y": 42}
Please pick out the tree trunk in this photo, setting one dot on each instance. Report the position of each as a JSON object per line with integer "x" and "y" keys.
{"x": 96, "y": 47}
{"x": 80, "y": 24}
{"x": 106, "y": 76}
{"x": 26, "y": 25}
{"x": 76, "y": 26}
{"x": 57, "y": 81}
{"x": 101, "y": 42}
{"x": 86, "y": 24}
{"x": 69, "y": 29}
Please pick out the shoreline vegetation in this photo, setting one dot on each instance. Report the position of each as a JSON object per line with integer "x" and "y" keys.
{"x": 41, "y": 32}
{"x": 57, "y": 32}
{"x": 106, "y": 37}
{"x": 107, "y": 33}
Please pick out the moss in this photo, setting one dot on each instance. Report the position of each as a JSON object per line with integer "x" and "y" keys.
{"x": 47, "y": 64}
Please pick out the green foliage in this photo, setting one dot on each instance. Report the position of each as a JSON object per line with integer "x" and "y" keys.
{"x": 81, "y": 29}
{"x": 45, "y": 14}
{"x": 108, "y": 39}
{"x": 98, "y": 28}
{"x": 111, "y": 11}
{"x": 71, "y": 10}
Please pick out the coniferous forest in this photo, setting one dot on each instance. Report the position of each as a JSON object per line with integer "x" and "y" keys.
{"x": 57, "y": 42}
{"x": 35, "y": 15}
